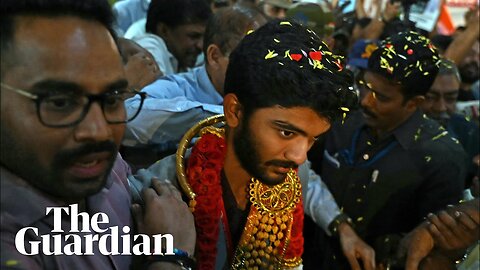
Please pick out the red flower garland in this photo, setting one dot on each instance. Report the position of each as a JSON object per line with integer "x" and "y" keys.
{"x": 203, "y": 172}
{"x": 204, "y": 176}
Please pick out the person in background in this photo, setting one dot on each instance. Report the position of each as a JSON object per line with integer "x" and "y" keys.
{"x": 179, "y": 101}
{"x": 387, "y": 165}
{"x": 440, "y": 105}
{"x": 275, "y": 9}
{"x": 174, "y": 33}
{"x": 378, "y": 27}
{"x": 357, "y": 61}
{"x": 63, "y": 88}
{"x": 464, "y": 51}
{"x": 215, "y": 5}
{"x": 140, "y": 67}
{"x": 127, "y": 12}
{"x": 282, "y": 89}
{"x": 315, "y": 17}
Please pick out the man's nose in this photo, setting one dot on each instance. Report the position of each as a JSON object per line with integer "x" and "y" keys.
{"x": 199, "y": 44}
{"x": 368, "y": 99}
{"x": 440, "y": 105}
{"x": 297, "y": 151}
{"x": 282, "y": 13}
{"x": 94, "y": 127}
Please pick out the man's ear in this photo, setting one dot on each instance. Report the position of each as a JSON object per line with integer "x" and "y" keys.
{"x": 232, "y": 110}
{"x": 162, "y": 30}
{"x": 415, "y": 103}
{"x": 213, "y": 55}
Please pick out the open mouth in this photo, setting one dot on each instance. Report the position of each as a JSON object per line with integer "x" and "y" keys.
{"x": 87, "y": 164}
{"x": 90, "y": 166}
{"x": 282, "y": 170}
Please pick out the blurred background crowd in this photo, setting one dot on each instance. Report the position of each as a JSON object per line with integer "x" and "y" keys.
{"x": 177, "y": 52}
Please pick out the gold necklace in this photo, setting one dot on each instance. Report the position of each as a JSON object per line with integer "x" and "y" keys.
{"x": 268, "y": 230}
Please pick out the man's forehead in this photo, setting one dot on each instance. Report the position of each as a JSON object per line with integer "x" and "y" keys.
{"x": 192, "y": 27}
{"x": 446, "y": 81}
{"x": 442, "y": 92}
{"x": 372, "y": 80}
{"x": 290, "y": 115}
{"x": 49, "y": 29}
{"x": 65, "y": 48}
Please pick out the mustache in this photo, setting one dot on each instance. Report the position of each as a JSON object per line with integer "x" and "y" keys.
{"x": 369, "y": 113}
{"x": 66, "y": 157}
{"x": 282, "y": 163}
{"x": 441, "y": 118}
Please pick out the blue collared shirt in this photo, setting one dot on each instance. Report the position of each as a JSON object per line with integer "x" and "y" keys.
{"x": 127, "y": 12}
{"x": 174, "y": 104}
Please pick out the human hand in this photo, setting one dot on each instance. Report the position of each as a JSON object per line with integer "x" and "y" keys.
{"x": 416, "y": 246}
{"x": 141, "y": 70}
{"x": 354, "y": 248}
{"x": 453, "y": 230}
{"x": 472, "y": 17}
{"x": 165, "y": 212}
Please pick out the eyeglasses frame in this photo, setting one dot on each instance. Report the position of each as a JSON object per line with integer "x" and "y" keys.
{"x": 91, "y": 98}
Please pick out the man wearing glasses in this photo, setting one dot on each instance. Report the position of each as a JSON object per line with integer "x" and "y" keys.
{"x": 62, "y": 119}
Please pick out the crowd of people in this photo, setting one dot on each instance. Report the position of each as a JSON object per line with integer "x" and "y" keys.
{"x": 272, "y": 134}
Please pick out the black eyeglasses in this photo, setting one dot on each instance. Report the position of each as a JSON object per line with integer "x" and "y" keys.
{"x": 69, "y": 109}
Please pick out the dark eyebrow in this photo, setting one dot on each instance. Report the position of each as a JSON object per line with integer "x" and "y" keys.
{"x": 71, "y": 87}
{"x": 453, "y": 93}
{"x": 56, "y": 86}
{"x": 368, "y": 87}
{"x": 447, "y": 92}
{"x": 290, "y": 127}
{"x": 379, "y": 94}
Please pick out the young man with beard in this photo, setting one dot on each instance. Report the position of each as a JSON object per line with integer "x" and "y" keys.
{"x": 283, "y": 88}
{"x": 388, "y": 166}
{"x": 62, "y": 120}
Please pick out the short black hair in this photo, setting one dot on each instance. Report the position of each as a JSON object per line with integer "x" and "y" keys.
{"x": 228, "y": 26}
{"x": 408, "y": 59}
{"x": 442, "y": 42}
{"x": 283, "y": 63}
{"x": 176, "y": 12}
{"x": 448, "y": 67}
{"x": 94, "y": 10}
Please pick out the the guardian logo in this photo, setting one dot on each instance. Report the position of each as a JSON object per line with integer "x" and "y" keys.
{"x": 81, "y": 241}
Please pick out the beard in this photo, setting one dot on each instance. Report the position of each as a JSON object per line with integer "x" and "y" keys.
{"x": 247, "y": 151}
{"x": 469, "y": 72}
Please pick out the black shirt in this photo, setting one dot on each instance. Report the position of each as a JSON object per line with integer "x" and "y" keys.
{"x": 388, "y": 186}
{"x": 237, "y": 218}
